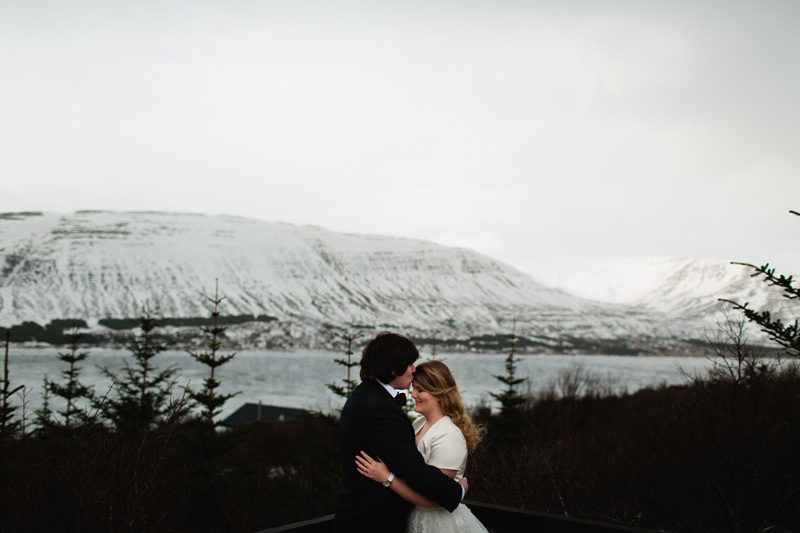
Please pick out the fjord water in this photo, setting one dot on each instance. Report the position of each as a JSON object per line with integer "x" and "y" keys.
{"x": 297, "y": 379}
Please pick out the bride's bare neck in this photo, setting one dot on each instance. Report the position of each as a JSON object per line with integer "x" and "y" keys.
{"x": 434, "y": 417}
{"x": 429, "y": 421}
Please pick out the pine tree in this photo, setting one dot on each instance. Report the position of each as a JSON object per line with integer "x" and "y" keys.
{"x": 44, "y": 416}
{"x": 144, "y": 394}
{"x": 208, "y": 397}
{"x": 349, "y": 384}
{"x": 786, "y": 335}
{"x": 73, "y": 390}
{"x": 510, "y": 400}
{"x": 8, "y": 426}
{"x": 23, "y": 396}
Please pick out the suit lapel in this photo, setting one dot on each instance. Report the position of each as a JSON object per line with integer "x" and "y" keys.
{"x": 380, "y": 394}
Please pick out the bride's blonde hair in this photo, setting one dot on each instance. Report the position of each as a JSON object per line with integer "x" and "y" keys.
{"x": 435, "y": 378}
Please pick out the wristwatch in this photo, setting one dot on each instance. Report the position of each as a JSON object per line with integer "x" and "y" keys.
{"x": 388, "y": 481}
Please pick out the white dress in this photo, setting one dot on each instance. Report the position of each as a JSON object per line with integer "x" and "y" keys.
{"x": 443, "y": 446}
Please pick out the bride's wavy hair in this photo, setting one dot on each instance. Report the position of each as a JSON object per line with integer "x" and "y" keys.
{"x": 434, "y": 377}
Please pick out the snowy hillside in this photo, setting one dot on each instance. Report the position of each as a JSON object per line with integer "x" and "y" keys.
{"x": 95, "y": 265}
{"x": 683, "y": 286}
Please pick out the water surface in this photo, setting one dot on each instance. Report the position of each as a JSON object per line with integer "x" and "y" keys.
{"x": 297, "y": 379}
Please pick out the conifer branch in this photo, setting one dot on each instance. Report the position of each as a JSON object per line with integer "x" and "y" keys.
{"x": 786, "y": 335}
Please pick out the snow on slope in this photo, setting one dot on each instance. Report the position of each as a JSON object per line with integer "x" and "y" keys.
{"x": 94, "y": 265}
{"x": 685, "y": 286}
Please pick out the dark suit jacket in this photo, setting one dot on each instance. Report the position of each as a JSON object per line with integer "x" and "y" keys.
{"x": 372, "y": 421}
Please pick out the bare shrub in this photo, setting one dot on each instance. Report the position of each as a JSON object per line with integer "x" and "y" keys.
{"x": 576, "y": 381}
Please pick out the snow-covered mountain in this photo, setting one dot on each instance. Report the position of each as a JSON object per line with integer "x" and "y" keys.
{"x": 683, "y": 286}
{"x": 95, "y": 265}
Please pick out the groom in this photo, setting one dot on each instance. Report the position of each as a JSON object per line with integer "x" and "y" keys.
{"x": 372, "y": 421}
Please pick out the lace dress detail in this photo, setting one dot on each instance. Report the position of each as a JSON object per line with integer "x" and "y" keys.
{"x": 443, "y": 446}
{"x": 438, "y": 520}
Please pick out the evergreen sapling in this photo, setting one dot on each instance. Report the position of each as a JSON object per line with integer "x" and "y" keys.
{"x": 510, "y": 400}
{"x": 144, "y": 394}
{"x": 73, "y": 390}
{"x": 208, "y": 397}
{"x": 8, "y": 426}
{"x": 346, "y": 389}
{"x": 44, "y": 416}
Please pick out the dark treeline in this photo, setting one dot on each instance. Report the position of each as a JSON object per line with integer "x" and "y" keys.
{"x": 114, "y": 330}
{"x": 719, "y": 454}
{"x": 55, "y": 332}
{"x": 174, "y": 477}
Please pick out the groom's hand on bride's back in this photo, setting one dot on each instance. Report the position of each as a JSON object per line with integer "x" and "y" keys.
{"x": 463, "y": 483}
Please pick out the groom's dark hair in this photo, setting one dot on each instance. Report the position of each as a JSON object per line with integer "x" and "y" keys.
{"x": 386, "y": 356}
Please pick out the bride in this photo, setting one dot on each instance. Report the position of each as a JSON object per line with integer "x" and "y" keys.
{"x": 444, "y": 433}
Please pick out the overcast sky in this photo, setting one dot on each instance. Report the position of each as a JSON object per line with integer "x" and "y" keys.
{"x": 531, "y": 131}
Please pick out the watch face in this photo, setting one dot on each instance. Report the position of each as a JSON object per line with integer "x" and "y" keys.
{"x": 385, "y": 482}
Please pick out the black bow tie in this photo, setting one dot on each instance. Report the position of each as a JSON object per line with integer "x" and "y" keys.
{"x": 400, "y": 399}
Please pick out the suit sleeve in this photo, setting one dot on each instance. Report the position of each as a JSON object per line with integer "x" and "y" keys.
{"x": 391, "y": 438}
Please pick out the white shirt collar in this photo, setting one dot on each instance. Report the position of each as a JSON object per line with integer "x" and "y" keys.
{"x": 391, "y": 390}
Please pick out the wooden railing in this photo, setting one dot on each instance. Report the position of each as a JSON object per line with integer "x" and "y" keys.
{"x": 496, "y": 518}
